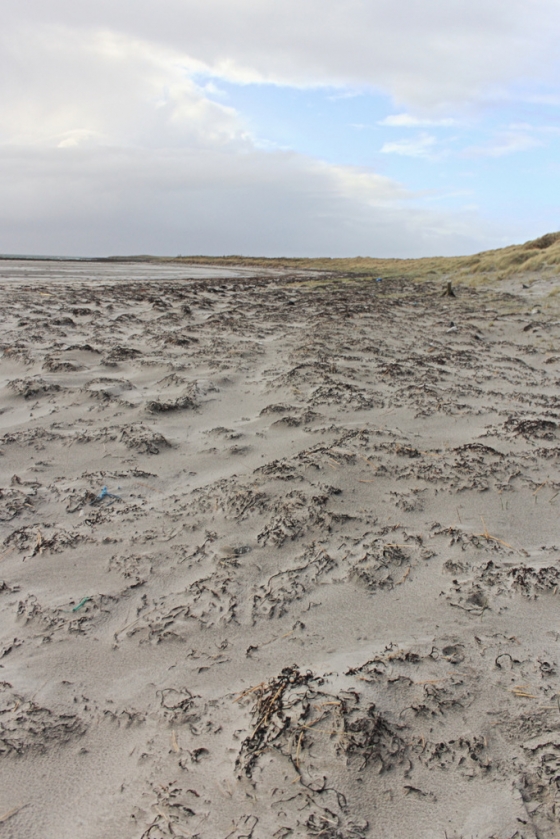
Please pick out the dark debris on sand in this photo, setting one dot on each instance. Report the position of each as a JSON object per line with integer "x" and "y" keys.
{"x": 286, "y": 550}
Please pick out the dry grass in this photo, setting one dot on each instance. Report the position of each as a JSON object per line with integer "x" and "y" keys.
{"x": 537, "y": 257}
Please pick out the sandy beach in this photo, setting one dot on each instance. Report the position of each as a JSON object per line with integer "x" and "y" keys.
{"x": 279, "y": 556}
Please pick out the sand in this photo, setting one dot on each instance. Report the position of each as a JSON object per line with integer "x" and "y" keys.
{"x": 278, "y": 557}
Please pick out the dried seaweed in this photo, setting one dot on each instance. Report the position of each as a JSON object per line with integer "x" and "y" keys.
{"x": 271, "y": 719}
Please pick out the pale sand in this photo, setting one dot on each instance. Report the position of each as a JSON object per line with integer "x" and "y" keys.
{"x": 325, "y": 600}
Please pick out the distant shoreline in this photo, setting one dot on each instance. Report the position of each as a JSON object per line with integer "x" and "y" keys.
{"x": 41, "y": 258}
{"x": 538, "y": 258}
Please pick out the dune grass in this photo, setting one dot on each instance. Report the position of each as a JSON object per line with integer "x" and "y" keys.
{"x": 539, "y": 256}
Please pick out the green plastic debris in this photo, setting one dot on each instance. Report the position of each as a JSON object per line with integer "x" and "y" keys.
{"x": 82, "y": 602}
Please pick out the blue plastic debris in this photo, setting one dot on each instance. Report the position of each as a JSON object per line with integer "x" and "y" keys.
{"x": 104, "y": 494}
{"x": 379, "y": 280}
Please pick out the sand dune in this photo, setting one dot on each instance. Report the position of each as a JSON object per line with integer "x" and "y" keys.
{"x": 536, "y": 259}
{"x": 279, "y": 557}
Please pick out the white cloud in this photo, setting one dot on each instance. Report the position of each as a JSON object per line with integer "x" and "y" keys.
{"x": 375, "y": 190}
{"x": 109, "y": 145}
{"x": 431, "y": 54}
{"x": 509, "y": 142}
{"x": 71, "y": 87}
{"x": 421, "y": 146}
{"x": 410, "y": 121}
{"x": 94, "y": 201}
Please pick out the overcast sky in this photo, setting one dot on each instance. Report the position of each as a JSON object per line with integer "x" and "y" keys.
{"x": 278, "y": 127}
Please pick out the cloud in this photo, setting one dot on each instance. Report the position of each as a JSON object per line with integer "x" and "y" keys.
{"x": 107, "y": 200}
{"x": 509, "y": 142}
{"x": 431, "y": 55}
{"x": 410, "y": 121}
{"x": 108, "y": 145}
{"x": 112, "y": 141}
{"x": 72, "y": 88}
{"x": 420, "y": 146}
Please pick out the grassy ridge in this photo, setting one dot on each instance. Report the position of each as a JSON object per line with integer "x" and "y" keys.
{"x": 540, "y": 256}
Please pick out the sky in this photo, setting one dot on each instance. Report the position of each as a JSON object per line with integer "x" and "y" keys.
{"x": 397, "y": 128}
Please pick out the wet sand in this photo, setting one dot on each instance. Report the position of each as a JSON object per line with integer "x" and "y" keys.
{"x": 278, "y": 558}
